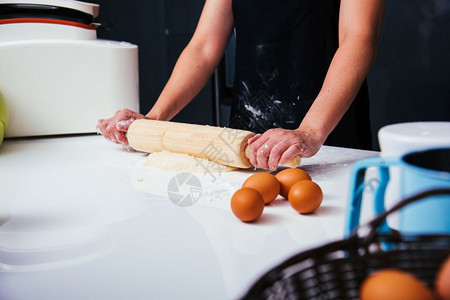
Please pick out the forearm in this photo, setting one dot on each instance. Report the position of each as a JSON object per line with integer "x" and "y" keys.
{"x": 191, "y": 73}
{"x": 198, "y": 60}
{"x": 346, "y": 73}
{"x": 359, "y": 29}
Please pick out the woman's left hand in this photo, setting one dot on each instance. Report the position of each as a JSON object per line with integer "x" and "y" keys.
{"x": 278, "y": 146}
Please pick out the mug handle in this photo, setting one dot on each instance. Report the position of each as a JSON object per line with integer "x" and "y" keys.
{"x": 357, "y": 185}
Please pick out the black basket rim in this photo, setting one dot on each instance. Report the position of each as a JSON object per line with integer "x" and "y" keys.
{"x": 356, "y": 247}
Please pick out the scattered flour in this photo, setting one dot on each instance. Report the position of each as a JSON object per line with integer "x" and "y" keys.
{"x": 179, "y": 162}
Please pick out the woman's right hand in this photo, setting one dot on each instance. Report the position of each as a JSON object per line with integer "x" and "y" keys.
{"x": 114, "y": 129}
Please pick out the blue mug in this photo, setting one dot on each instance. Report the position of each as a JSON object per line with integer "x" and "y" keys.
{"x": 420, "y": 171}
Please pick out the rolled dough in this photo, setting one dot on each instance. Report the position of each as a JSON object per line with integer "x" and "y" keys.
{"x": 179, "y": 162}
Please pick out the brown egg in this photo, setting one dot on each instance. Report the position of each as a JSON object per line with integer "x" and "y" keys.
{"x": 288, "y": 177}
{"x": 443, "y": 280}
{"x": 247, "y": 204}
{"x": 305, "y": 196}
{"x": 391, "y": 284}
{"x": 265, "y": 183}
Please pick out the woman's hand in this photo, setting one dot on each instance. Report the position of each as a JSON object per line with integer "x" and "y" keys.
{"x": 114, "y": 129}
{"x": 278, "y": 146}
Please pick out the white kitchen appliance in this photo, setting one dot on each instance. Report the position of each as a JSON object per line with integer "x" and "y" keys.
{"x": 55, "y": 75}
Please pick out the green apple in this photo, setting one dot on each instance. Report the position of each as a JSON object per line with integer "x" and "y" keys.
{"x": 3, "y": 117}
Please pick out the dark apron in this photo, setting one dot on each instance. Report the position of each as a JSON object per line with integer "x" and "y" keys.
{"x": 283, "y": 51}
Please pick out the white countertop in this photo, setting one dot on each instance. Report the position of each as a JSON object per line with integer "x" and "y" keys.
{"x": 81, "y": 218}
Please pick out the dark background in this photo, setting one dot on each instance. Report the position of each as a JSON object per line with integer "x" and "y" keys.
{"x": 409, "y": 82}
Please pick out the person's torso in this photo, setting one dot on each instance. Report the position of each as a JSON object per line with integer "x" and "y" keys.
{"x": 283, "y": 50}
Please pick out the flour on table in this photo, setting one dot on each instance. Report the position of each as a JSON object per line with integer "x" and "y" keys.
{"x": 179, "y": 162}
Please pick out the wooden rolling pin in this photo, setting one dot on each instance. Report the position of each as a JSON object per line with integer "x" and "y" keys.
{"x": 219, "y": 144}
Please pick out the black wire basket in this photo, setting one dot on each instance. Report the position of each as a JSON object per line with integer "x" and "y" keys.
{"x": 337, "y": 270}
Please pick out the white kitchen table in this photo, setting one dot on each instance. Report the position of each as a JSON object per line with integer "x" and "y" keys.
{"x": 81, "y": 218}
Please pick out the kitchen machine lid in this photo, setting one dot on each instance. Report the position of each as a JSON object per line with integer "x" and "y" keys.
{"x": 27, "y": 6}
